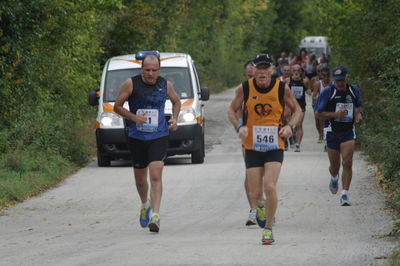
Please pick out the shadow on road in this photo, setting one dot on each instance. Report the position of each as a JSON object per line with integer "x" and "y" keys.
{"x": 170, "y": 161}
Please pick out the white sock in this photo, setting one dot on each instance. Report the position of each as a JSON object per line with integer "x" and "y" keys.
{"x": 345, "y": 192}
{"x": 146, "y": 204}
{"x": 335, "y": 178}
{"x": 154, "y": 214}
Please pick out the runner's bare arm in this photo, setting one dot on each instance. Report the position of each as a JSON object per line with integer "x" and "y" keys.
{"x": 124, "y": 93}
{"x": 308, "y": 83}
{"x": 358, "y": 115}
{"x": 294, "y": 106}
{"x": 176, "y": 106}
{"x": 236, "y": 106}
{"x": 315, "y": 91}
{"x": 239, "y": 113}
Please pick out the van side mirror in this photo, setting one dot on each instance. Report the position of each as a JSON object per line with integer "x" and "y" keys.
{"x": 205, "y": 94}
{"x": 94, "y": 97}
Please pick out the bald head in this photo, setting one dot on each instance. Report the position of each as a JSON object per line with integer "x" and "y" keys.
{"x": 296, "y": 71}
{"x": 150, "y": 59}
{"x": 150, "y": 69}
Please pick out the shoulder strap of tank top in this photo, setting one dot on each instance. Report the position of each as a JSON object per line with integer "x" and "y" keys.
{"x": 245, "y": 86}
{"x": 281, "y": 92}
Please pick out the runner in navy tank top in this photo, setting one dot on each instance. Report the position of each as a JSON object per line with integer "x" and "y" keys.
{"x": 148, "y": 132}
{"x": 340, "y": 105}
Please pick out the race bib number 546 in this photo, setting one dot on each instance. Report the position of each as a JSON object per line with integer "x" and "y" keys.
{"x": 152, "y": 120}
{"x": 265, "y": 138}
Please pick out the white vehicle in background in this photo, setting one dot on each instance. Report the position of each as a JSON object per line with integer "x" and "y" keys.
{"x": 317, "y": 45}
{"x": 110, "y": 128}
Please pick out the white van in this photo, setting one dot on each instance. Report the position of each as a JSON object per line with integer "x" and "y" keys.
{"x": 316, "y": 44}
{"x": 110, "y": 130}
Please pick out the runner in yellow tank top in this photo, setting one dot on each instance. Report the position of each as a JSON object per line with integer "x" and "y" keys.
{"x": 263, "y": 112}
{"x": 262, "y": 134}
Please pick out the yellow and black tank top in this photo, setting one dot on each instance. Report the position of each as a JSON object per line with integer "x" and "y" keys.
{"x": 262, "y": 114}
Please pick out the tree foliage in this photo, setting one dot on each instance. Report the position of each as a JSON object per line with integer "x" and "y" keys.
{"x": 52, "y": 53}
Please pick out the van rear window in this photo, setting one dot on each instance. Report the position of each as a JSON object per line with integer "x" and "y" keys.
{"x": 179, "y": 76}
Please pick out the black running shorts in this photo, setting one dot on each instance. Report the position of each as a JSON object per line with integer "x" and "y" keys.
{"x": 143, "y": 152}
{"x": 258, "y": 159}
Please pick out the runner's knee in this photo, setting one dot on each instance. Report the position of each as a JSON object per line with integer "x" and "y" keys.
{"x": 347, "y": 163}
{"x": 269, "y": 188}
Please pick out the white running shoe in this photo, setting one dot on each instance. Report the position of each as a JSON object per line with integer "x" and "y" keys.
{"x": 297, "y": 148}
{"x": 344, "y": 200}
{"x": 334, "y": 186}
{"x": 252, "y": 218}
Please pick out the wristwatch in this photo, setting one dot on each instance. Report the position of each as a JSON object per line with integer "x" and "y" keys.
{"x": 238, "y": 127}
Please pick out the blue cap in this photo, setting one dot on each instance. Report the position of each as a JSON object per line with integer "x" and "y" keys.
{"x": 339, "y": 73}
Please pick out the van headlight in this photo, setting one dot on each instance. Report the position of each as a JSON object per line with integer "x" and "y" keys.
{"x": 110, "y": 120}
{"x": 187, "y": 116}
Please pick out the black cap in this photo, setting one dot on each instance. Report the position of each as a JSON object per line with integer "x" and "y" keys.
{"x": 339, "y": 73}
{"x": 262, "y": 59}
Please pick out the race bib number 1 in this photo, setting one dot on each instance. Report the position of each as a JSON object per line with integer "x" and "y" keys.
{"x": 152, "y": 120}
{"x": 265, "y": 138}
{"x": 348, "y": 117}
{"x": 297, "y": 91}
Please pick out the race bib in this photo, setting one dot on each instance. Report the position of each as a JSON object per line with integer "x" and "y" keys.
{"x": 265, "y": 138}
{"x": 152, "y": 120}
{"x": 348, "y": 117}
{"x": 297, "y": 91}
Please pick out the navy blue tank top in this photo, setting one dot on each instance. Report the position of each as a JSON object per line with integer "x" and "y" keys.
{"x": 298, "y": 90}
{"x": 148, "y": 100}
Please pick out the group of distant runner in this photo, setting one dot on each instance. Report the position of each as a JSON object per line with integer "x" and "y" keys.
{"x": 267, "y": 110}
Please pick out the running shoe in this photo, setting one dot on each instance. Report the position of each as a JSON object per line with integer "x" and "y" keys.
{"x": 267, "y": 237}
{"x": 154, "y": 224}
{"x": 320, "y": 140}
{"x": 333, "y": 186}
{"x": 344, "y": 200}
{"x": 297, "y": 148}
{"x": 325, "y": 149}
{"x": 252, "y": 218}
{"x": 260, "y": 216}
{"x": 292, "y": 142}
{"x": 144, "y": 218}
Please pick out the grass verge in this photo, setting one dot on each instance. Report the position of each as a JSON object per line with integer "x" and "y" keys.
{"x": 28, "y": 173}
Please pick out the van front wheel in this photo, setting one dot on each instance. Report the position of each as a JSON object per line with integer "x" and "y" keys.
{"x": 198, "y": 155}
{"x": 103, "y": 160}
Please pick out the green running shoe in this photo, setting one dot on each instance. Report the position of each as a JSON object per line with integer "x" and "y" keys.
{"x": 260, "y": 216}
{"x": 144, "y": 218}
{"x": 154, "y": 224}
{"x": 267, "y": 237}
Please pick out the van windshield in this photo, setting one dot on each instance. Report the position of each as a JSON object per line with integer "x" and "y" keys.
{"x": 178, "y": 76}
{"x": 317, "y": 51}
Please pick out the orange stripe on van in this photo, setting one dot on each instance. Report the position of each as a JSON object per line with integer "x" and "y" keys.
{"x": 187, "y": 104}
{"x": 107, "y": 107}
{"x": 127, "y": 60}
{"x": 139, "y": 62}
{"x": 199, "y": 120}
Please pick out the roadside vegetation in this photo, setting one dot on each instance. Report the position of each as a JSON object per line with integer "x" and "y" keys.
{"x": 52, "y": 53}
{"x": 364, "y": 37}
